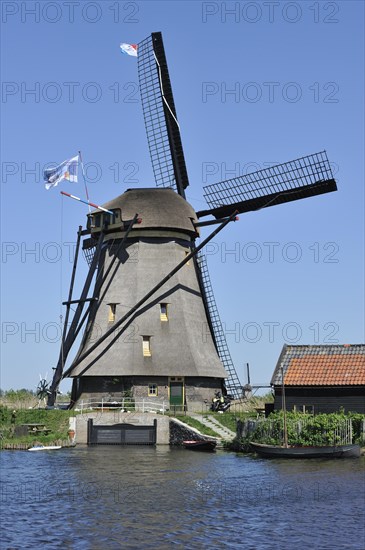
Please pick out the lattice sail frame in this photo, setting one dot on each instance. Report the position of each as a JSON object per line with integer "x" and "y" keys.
{"x": 163, "y": 132}
{"x": 293, "y": 180}
{"x": 233, "y": 384}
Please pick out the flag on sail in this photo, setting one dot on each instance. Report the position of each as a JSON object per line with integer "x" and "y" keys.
{"x": 67, "y": 170}
{"x": 130, "y": 49}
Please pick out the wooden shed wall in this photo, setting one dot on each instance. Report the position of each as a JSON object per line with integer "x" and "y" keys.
{"x": 324, "y": 399}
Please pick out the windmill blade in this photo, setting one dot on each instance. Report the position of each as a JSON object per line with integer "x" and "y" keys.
{"x": 297, "y": 179}
{"x": 42, "y": 390}
{"x": 88, "y": 248}
{"x": 233, "y": 383}
{"x": 163, "y": 132}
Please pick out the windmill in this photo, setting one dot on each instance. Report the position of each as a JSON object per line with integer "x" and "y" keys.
{"x": 42, "y": 391}
{"x": 151, "y": 325}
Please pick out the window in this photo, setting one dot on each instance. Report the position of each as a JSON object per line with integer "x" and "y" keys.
{"x": 112, "y": 310}
{"x": 152, "y": 390}
{"x": 309, "y": 409}
{"x": 116, "y": 215}
{"x": 163, "y": 312}
{"x": 187, "y": 254}
{"x": 146, "y": 346}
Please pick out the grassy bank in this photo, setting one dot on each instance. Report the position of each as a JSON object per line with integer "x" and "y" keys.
{"x": 56, "y": 421}
{"x": 205, "y": 430}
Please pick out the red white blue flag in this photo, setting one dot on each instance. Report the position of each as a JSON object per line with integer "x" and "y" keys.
{"x": 130, "y": 49}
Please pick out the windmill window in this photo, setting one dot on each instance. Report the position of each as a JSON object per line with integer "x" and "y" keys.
{"x": 112, "y": 310}
{"x": 152, "y": 390}
{"x": 163, "y": 312}
{"x": 187, "y": 254}
{"x": 146, "y": 346}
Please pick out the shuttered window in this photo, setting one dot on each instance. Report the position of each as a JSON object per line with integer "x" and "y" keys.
{"x": 146, "y": 346}
{"x": 163, "y": 312}
{"x": 112, "y": 310}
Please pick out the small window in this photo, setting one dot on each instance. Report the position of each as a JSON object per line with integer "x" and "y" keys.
{"x": 187, "y": 254}
{"x": 152, "y": 390}
{"x": 163, "y": 312}
{"x": 97, "y": 220}
{"x": 116, "y": 215}
{"x": 112, "y": 310}
{"x": 146, "y": 346}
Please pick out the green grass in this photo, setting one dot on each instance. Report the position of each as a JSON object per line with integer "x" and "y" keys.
{"x": 229, "y": 420}
{"x": 57, "y": 421}
{"x": 198, "y": 426}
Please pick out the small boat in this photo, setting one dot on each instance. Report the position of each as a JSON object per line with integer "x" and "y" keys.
{"x": 293, "y": 451}
{"x": 202, "y": 445}
{"x": 45, "y": 448}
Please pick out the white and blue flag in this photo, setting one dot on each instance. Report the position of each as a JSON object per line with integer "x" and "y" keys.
{"x": 67, "y": 170}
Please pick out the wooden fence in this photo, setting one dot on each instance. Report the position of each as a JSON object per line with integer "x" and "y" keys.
{"x": 267, "y": 429}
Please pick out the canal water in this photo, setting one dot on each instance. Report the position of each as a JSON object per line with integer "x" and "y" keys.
{"x": 145, "y": 497}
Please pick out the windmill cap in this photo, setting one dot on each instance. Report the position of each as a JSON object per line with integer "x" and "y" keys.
{"x": 158, "y": 209}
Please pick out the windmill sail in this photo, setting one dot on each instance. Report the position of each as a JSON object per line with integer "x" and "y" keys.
{"x": 297, "y": 179}
{"x": 88, "y": 248}
{"x": 163, "y": 133}
{"x": 233, "y": 384}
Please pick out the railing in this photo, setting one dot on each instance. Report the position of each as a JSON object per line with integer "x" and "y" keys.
{"x": 125, "y": 404}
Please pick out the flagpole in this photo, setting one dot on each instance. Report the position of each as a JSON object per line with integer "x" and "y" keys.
{"x": 87, "y": 202}
{"x": 83, "y": 176}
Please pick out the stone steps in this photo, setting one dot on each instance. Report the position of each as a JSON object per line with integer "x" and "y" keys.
{"x": 214, "y": 424}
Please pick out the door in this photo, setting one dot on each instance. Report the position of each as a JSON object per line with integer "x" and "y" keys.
{"x": 121, "y": 434}
{"x": 176, "y": 387}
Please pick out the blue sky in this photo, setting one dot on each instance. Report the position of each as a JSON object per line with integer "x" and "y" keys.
{"x": 255, "y": 83}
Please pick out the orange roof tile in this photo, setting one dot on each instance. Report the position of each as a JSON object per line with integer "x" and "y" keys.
{"x": 321, "y": 365}
{"x": 326, "y": 370}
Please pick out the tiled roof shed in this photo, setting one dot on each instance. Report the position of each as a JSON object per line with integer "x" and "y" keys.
{"x": 326, "y": 377}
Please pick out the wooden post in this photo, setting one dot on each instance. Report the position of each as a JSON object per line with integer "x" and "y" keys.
{"x": 284, "y": 408}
